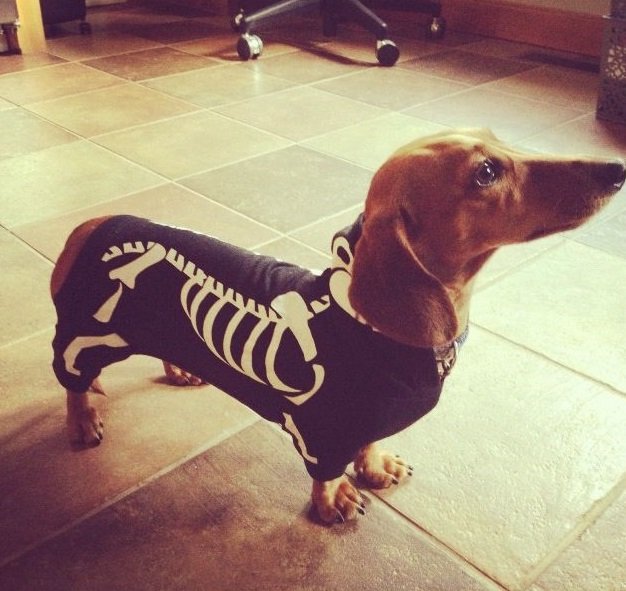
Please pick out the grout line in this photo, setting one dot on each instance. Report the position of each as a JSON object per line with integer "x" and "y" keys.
{"x": 542, "y": 355}
{"x": 223, "y": 436}
{"x": 461, "y": 561}
{"x": 31, "y": 335}
{"x": 596, "y": 511}
{"x": 532, "y": 259}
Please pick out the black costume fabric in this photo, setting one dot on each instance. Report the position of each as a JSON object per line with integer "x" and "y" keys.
{"x": 279, "y": 338}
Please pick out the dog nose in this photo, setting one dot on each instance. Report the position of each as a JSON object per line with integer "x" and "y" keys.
{"x": 614, "y": 174}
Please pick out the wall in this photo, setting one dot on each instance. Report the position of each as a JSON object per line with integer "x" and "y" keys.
{"x": 586, "y": 6}
{"x": 575, "y": 26}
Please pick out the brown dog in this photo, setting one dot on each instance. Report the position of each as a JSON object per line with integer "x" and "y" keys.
{"x": 342, "y": 359}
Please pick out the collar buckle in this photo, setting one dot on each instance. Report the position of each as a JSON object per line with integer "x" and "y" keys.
{"x": 447, "y": 355}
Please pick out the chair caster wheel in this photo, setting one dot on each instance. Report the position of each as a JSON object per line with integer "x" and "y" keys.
{"x": 436, "y": 29}
{"x": 249, "y": 46}
{"x": 387, "y": 52}
{"x": 84, "y": 28}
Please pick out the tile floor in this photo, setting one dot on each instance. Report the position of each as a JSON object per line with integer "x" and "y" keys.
{"x": 520, "y": 471}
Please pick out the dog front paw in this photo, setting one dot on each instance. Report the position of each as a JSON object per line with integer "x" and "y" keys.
{"x": 337, "y": 500}
{"x": 180, "y": 377}
{"x": 380, "y": 469}
{"x": 85, "y": 426}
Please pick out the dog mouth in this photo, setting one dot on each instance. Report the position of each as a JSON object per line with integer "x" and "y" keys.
{"x": 547, "y": 230}
{"x": 574, "y": 221}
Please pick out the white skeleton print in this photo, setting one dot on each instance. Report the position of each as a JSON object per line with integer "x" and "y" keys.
{"x": 287, "y": 311}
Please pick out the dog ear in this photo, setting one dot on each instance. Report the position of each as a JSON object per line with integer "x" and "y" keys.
{"x": 394, "y": 292}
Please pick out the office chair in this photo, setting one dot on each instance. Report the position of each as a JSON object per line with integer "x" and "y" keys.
{"x": 250, "y": 45}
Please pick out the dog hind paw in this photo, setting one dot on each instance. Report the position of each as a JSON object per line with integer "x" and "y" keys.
{"x": 179, "y": 377}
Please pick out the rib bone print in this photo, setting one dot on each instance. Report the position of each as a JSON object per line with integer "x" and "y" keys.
{"x": 287, "y": 312}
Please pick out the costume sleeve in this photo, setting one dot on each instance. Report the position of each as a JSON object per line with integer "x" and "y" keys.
{"x": 327, "y": 442}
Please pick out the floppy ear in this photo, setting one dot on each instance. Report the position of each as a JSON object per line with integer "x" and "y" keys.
{"x": 393, "y": 291}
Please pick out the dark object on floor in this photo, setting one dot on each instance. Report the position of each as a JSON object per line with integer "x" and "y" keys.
{"x": 333, "y": 12}
{"x": 8, "y": 26}
{"x": 54, "y": 12}
{"x": 9, "y": 30}
{"x": 612, "y": 93}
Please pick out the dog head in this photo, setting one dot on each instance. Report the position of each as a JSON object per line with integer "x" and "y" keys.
{"x": 440, "y": 206}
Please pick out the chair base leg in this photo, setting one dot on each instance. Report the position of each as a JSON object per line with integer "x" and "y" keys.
{"x": 250, "y": 46}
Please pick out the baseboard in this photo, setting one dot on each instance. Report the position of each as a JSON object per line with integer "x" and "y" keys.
{"x": 546, "y": 27}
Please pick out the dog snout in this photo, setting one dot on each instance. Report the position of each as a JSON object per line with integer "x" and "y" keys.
{"x": 612, "y": 174}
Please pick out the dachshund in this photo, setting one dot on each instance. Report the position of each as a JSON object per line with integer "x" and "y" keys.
{"x": 340, "y": 359}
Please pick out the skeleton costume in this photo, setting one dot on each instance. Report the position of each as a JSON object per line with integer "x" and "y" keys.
{"x": 281, "y": 339}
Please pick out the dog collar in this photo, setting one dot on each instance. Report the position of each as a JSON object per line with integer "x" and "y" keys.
{"x": 446, "y": 355}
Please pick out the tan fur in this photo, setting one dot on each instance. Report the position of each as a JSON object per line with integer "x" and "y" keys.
{"x": 429, "y": 229}
{"x": 73, "y": 246}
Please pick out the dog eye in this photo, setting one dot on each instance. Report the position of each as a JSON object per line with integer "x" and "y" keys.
{"x": 486, "y": 175}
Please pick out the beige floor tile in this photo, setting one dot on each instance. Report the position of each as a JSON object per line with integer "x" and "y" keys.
{"x": 80, "y": 47}
{"x": 513, "y": 458}
{"x": 29, "y": 61}
{"x": 222, "y": 46}
{"x": 168, "y": 204}
{"x": 25, "y": 301}
{"x": 51, "y": 182}
{"x": 372, "y": 87}
{"x": 319, "y": 234}
{"x": 510, "y": 257}
{"x": 466, "y": 67}
{"x": 300, "y": 113}
{"x": 595, "y": 560}
{"x": 29, "y": 133}
{"x": 190, "y": 144}
{"x": 584, "y": 135}
{"x": 513, "y": 118}
{"x": 500, "y": 48}
{"x": 536, "y": 56}
{"x": 285, "y": 189}
{"x": 608, "y": 235}
{"x": 97, "y": 112}
{"x": 360, "y": 47}
{"x": 302, "y": 66}
{"x": 44, "y": 484}
{"x": 150, "y": 63}
{"x": 569, "y": 305}
{"x": 285, "y": 249}
{"x": 218, "y": 86}
{"x": 232, "y": 518}
{"x": 560, "y": 86}
{"x": 52, "y": 82}
{"x": 371, "y": 142}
